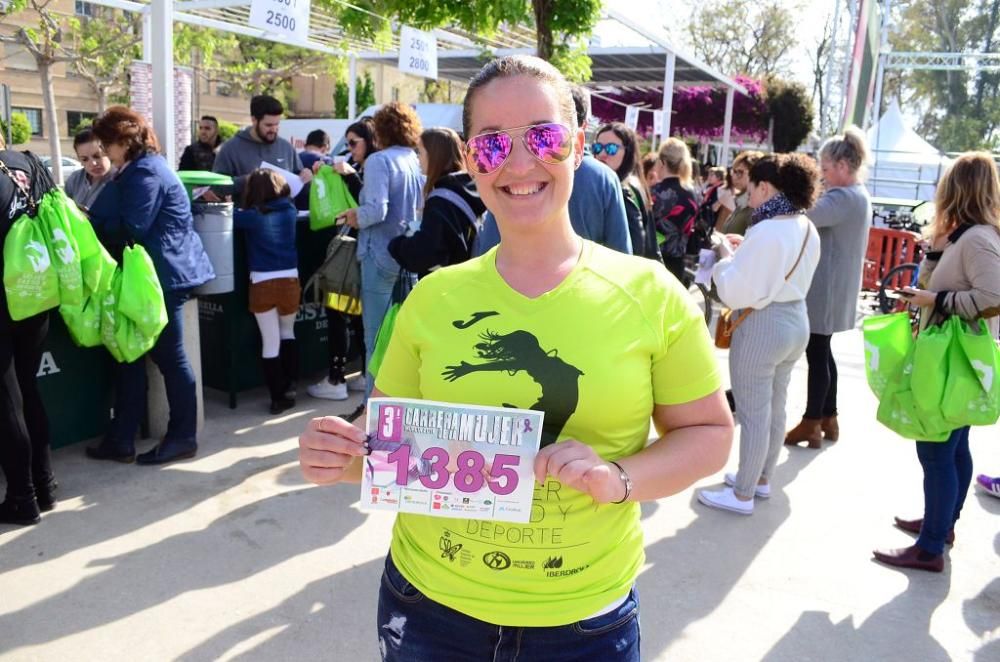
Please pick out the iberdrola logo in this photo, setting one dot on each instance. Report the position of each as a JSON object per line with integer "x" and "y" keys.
{"x": 41, "y": 261}
{"x": 64, "y": 249}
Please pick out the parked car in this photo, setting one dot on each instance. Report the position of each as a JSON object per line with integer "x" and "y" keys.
{"x": 69, "y": 165}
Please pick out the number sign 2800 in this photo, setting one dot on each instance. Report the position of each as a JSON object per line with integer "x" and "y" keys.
{"x": 282, "y": 21}
{"x": 470, "y": 475}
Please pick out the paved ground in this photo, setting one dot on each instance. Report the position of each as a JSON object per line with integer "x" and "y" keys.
{"x": 232, "y": 556}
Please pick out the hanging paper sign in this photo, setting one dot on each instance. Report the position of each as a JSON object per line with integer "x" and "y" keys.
{"x": 657, "y": 122}
{"x": 418, "y": 53}
{"x": 287, "y": 18}
{"x": 632, "y": 117}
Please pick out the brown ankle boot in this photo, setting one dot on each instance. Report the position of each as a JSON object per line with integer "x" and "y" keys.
{"x": 831, "y": 430}
{"x": 808, "y": 429}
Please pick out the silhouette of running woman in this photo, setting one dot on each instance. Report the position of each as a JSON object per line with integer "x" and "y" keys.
{"x": 519, "y": 350}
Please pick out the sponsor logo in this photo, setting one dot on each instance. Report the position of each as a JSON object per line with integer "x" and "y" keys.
{"x": 437, "y": 506}
{"x": 374, "y": 490}
{"x": 41, "y": 261}
{"x": 524, "y": 565}
{"x": 496, "y": 560}
{"x": 448, "y": 550}
{"x": 553, "y": 562}
{"x": 465, "y": 500}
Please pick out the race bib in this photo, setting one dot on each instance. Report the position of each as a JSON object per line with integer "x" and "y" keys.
{"x": 447, "y": 460}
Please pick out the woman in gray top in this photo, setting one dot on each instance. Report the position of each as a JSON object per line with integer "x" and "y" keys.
{"x": 83, "y": 186}
{"x": 842, "y": 215}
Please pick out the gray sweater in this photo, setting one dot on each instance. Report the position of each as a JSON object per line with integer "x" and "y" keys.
{"x": 842, "y": 215}
{"x": 241, "y": 155}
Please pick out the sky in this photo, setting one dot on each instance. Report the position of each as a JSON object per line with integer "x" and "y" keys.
{"x": 671, "y": 16}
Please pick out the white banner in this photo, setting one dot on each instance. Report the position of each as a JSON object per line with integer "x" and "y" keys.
{"x": 657, "y": 122}
{"x": 418, "y": 53}
{"x": 288, "y": 18}
{"x": 632, "y": 117}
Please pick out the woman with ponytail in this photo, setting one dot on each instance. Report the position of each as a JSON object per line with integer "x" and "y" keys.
{"x": 842, "y": 215}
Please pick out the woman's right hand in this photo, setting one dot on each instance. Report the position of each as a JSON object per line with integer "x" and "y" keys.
{"x": 343, "y": 168}
{"x": 328, "y": 447}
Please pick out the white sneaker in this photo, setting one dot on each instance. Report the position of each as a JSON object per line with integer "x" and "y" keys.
{"x": 327, "y": 391}
{"x": 761, "y": 491}
{"x": 357, "y": 383}
{"x": 725, "y": 499}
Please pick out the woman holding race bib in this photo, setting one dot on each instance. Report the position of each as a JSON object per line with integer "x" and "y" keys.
{"x": 524, "y": 326}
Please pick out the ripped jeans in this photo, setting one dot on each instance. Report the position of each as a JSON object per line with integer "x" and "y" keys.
{"x": 414, "y": 628}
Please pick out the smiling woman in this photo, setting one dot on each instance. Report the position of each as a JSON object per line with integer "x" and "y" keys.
{"x": 551, "y": 322}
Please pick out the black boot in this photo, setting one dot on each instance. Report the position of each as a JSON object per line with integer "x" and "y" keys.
{"x": 19, "y": 510}
{"x": 45, "y": 493}
{"x": 274, "y": 377}
{"x": 289, "y": 355}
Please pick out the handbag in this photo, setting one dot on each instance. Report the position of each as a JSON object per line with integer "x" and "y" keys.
{"x": 337, "y": 282}
{"x": 404, "y": 283}
{"x": 725, "y": 325}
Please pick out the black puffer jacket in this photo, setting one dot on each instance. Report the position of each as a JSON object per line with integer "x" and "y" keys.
{"x": 446, "y": 232}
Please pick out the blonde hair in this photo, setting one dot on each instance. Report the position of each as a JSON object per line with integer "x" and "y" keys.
{"x": 850, "y": 146}
{"x": 969, "y": 192}
{"x": 676, "y": 158}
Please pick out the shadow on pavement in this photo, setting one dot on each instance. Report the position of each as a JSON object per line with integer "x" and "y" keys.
{"x": 236, "y": 546}
{"x": 898, "y": 630}
{"x": 982, "y": 613}
{"x": 694, "y": 570}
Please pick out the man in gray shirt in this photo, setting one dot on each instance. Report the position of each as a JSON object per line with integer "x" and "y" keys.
{"x": 243, "y": 154}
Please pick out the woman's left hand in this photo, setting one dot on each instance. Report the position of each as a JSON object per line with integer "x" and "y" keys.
{"x": 350, "y": 217}
{"x": 920, "y": 297}
{"x": 576, "y": 465}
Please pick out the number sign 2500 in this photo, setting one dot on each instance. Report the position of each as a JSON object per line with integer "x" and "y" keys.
{"x": 280, "y": 20}
{"x": 469, "y": 477}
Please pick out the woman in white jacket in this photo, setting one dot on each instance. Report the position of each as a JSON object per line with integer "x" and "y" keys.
{"x": 765, "y": 283}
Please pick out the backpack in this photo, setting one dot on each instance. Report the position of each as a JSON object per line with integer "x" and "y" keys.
{"x": 704, "y": 222}
{"x": 475, "y": 223}
{"x": 337, "y": 281}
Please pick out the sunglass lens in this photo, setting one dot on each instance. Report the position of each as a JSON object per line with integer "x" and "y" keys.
{"x": 596, "y": 148}
{"x": 488, "y": 151}
{"x": 611, "y": 149}
{"x": 550, "y": 143}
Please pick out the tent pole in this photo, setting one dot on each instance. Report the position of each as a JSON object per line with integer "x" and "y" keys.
{"x": 352, "y": 87}
{"x": 162, "y": 52}
{"x": 727, "y": 128}
{"x": 668, "y": 93}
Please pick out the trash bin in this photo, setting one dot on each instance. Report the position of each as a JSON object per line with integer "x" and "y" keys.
{"x": 213, "y": 221}
{"x": 76, "y": 384}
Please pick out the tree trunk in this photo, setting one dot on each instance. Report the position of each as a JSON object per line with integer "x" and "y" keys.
{"x": 543, "y": 11}
{"x": 102, "y": 99}
{"x": 52, "y": 122}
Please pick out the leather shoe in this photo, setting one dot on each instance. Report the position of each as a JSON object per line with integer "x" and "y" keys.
{"x": 910, "y": 557}
{"x": 914, "y": 526}
{"x": 167, "y": 452}
{"x": 103, "y": 452}
{"x": 830, "y": 427}
{"x": 808, "y": 429}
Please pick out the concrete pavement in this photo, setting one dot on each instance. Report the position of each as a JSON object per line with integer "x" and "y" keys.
{"x": 232, "y": 556}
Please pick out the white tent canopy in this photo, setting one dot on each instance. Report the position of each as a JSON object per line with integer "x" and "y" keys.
{"x": 906, "y": 165}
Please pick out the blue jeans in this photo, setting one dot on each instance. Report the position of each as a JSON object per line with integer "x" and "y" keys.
{"x": 414, "y": 628}
{"x": 178, "y": 378}
{"x": 376, "y": 294}
{"x": 947, "y": 474}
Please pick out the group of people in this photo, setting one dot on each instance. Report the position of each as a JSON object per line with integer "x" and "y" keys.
{"x": 564, "y": 262}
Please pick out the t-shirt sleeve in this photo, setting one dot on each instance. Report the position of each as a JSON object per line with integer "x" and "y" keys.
{"x": 685, "y": 368}
{"x": 399, "y": 374}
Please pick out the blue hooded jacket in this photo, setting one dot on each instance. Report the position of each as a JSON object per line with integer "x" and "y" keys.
{"x": 270, "y": 235}
{"x": 147, "y": 203}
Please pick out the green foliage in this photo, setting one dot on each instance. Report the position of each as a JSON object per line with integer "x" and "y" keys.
{"x": 20, "y": 129}
{"x": 364, "y": 95}
{"x": 791, "y": 112}
{"x": 959, "y": 110}
{"x": 744, "y": 36}
{"x": 107, "y": 44}
{"x": 85, "y": 123}
{"x": 227, "y": 129}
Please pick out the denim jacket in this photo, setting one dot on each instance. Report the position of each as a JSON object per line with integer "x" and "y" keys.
{"x": 390, "y": 199}
{"x": 146, "y": 202}
{"x": 270, "y": 235}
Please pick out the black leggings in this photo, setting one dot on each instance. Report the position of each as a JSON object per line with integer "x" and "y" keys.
{"x": 822, "y": 399}
{"x": 339, "y": 327}
{"x": 24, "y": 427}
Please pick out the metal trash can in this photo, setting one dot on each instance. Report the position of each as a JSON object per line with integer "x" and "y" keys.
{"x": 213, "y": 221}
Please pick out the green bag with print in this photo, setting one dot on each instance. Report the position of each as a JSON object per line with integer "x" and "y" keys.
{"x": 887, "y": 339}
{"x": 63, "y": 249}
{"x": 29, "y": 277}
{"x": 971, "y": 395}
{"x": 328, "y": 198}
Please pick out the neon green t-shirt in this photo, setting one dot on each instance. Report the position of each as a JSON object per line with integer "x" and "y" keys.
{"x": 616, "y": 336}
